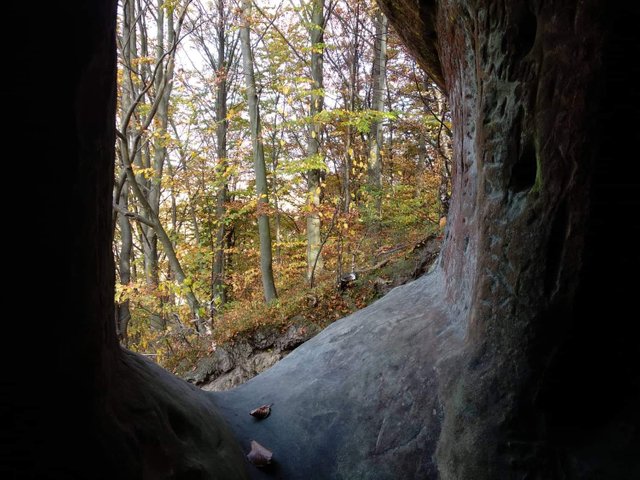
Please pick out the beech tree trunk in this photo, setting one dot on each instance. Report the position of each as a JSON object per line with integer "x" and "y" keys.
{"x": 378, "y": 88}
{"x": 128, "y": 46}
{"x": 126, "y": 246}
{"x": 218, "y": 287}
{"x": 262, "y": 192}
{"x": 350, "y": 101}
{"x": 315, "y": 176}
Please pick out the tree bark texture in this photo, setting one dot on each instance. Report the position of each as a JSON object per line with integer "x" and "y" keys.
{"x": 350, "y": 100}
{"x": 126, "y": 246}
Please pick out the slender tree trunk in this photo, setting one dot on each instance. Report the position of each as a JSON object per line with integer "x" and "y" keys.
{"x": 126, "y": 245}
{"x": 346, "y": 174}
{"x": 421, "y": 164}
{"x": 266, "y": 266}
{"x": 141, "y": 156}
{"x": 195, "y": 225}
{"x": 378, "y": 80}
{"x": 128, "y": 43}
{"x": 143, "y": 160}
{"x": 274, "y": 192}
{"x": 350, "y": 105}
{"x": 350, "y": 100}
{"x": 315, "y": 176}
{"x": 444, "y": 152}
{"x": 165, "y": 39}
{"x": 277, "y": 223}
{"x": 154, "y": 222}
{"x": 217, "y": 284}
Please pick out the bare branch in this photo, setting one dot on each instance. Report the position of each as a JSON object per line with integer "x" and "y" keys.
{"x": 133, "y": 215}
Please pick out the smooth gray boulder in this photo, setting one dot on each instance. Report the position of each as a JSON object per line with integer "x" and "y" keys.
{"x": 360, "y": 399}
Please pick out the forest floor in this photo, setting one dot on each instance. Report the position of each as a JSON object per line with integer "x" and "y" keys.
{"x": 271, "y": 332}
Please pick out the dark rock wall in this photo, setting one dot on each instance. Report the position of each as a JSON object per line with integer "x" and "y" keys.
{"x": 416, "y": 21}
{"x": 75, "y": 406}
{"x": 62, "y": 162}
{"x": 537, "y": 244}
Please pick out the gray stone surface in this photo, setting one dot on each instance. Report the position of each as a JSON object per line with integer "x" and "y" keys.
{"x": 173, "y": 431}
{"x": 360, "y": 399}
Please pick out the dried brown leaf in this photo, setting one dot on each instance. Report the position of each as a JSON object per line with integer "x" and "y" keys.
{"x": 259, "y": 455}
{"x": 261, "y": 412}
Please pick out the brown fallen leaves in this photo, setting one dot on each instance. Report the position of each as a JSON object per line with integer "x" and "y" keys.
{"x": 261, "y": 412}
{"x": 260, "y": 456}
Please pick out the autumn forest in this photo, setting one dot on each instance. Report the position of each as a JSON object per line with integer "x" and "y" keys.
{"x": 268, "y": 153}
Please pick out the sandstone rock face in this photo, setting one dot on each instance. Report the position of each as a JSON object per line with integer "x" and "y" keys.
{"x": 160, "y": 427}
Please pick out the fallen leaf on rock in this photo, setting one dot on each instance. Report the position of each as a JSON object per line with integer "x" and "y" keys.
{"x": 259, "y": 455}
{"x": 261, "y": 412}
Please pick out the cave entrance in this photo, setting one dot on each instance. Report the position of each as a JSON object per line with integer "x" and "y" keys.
{"x": 513, "y": 358}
